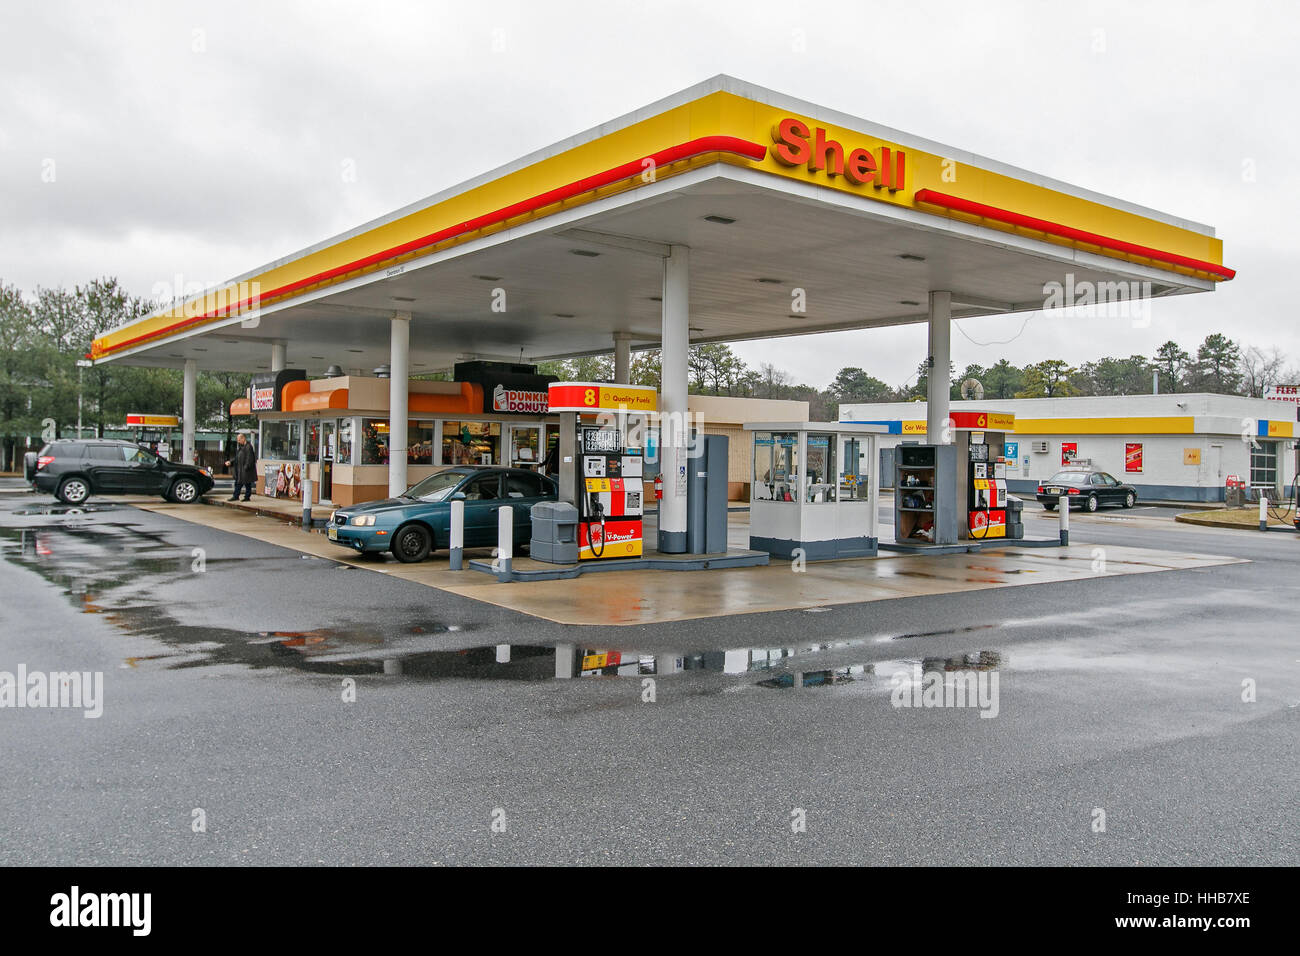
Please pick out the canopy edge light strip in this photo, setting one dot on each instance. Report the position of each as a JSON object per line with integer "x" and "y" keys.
{"x": 957, "y": 204}
{"x": 674, "y": 154}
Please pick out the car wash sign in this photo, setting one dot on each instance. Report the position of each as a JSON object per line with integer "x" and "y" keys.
{"x": 519, "y": 401}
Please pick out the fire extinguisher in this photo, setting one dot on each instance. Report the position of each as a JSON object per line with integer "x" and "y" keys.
{"x": 659, "y": 487}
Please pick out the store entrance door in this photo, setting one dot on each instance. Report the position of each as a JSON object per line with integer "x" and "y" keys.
{"x": 327, "y": 460}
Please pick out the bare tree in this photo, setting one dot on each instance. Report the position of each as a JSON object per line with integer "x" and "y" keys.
{"x": 1260, "y": 367}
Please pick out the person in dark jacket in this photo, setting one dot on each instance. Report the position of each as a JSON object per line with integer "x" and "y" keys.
{"x": 244, "y": 467}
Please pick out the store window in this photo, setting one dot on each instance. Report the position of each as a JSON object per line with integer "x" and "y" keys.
{"x": 281, "y": 440}
{"x": 471, "y": 443}
{"x": 1263, "y": 464}
{"x": 344, "y": 453}
{"x": 776, "y": 466}
{"x": 374, "y": 441}
{"x": 822, "y": 483}
{"x": 419, "y": 443}
{"x": 312, "y": 428}
{"x": 525, "y": 445}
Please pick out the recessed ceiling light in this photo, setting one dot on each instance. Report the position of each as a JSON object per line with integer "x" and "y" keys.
{"x": 912, "y": 257}
{"x": 584, "y": 252}
{"x": 563, "y": 315}
{"x": 358, "y": 351}
{"x": 263, "y": 366}
{"x": 175, "y": 355}
{"x": 770, "y": 281}
{"x": 402, "y": 298}
{"x": 197, "y": 349}
{"x": 232, "y": 341}
{"x": 488, "y": 278}
{"x": 908, "y": 302}
{"x": 720, "y": 220}
{"x": 319, "y": 358}
{"x": 655, "y": 298}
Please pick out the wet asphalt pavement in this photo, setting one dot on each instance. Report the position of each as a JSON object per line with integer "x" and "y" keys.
{"x": 225, "y": 677}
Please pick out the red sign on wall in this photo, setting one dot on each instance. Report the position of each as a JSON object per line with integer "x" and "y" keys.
{"x": 1133, "y": 456}
{"x": 1069, "y": 452}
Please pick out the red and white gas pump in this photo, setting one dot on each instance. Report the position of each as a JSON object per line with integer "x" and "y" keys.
{"x": 607, "y": 469}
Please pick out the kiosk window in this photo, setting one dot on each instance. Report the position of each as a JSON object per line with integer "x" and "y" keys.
{"x": 486, "y": 488}
{"x": 821, "y": 468}
{"x": 471, "y": 443}
{"x": 854, "y": 478}
{"x": 281, "y": 441}
{"x": 776, "y": 466}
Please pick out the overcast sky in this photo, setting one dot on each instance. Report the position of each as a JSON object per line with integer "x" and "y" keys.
{"x": 147, "y": 139}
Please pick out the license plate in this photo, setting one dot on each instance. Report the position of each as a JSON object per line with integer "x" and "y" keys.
{"x": 1053, "y": 491}
{"x": 332, "y": 533}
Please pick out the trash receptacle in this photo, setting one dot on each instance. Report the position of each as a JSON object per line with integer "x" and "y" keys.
{"x": 555, "y": 533}
{"x": 1015, "y": 525}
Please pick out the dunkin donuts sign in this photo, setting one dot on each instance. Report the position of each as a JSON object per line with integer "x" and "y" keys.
{"x": 519, "y": 401}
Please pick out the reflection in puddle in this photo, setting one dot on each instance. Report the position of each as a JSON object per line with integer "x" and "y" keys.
{"x": 60, "y": 509}
{"x": 115, "y": 569}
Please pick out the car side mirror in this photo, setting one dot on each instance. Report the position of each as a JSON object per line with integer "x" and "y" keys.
{"x": 458, "y": 496}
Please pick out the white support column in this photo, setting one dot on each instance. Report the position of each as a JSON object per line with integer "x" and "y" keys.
{"x": 187, "y": 411}
{"x": 623, "y": 358}
{"x": 940, "y": 356}
{"x": 277, "y": 356}
{"x": 398, "y": 384}
{"x": 673, "y": 417}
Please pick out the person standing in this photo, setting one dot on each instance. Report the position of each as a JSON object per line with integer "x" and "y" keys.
{"x": 244, "y": 467}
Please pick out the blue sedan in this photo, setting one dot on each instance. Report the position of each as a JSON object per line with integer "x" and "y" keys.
{"x": 418, "y": 522}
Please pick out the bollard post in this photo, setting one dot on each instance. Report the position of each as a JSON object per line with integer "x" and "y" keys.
{"x": 1263, "y": 512}
{"x": 457, "y": 546}
{"x": 505, "y": 541}
{"x": 1063, "y": 506}
{"x": 306, "y": 504}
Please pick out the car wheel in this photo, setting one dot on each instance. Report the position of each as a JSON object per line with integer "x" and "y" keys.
{"x": 73, "y": 491}
{"x": 1092, "y": 503}
{"x": 1049, "y": 505}
{"x": 184, "y": 492}
{"x": 412, "y": 543}
{"x": 1130, "y": 500}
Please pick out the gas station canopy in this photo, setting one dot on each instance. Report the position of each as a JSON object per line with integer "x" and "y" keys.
{"x": 798, "y": 220}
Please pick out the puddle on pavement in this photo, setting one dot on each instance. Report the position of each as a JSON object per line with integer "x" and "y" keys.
{"x": 61, "y": 509}
{"x": 109, "y": 569}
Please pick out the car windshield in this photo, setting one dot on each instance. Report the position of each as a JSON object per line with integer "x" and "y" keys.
{"x": 1069, "y": 478}
{"x": 435, "y": 487}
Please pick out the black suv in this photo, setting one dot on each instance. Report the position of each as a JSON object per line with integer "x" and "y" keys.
{"x": 74, "y": 469}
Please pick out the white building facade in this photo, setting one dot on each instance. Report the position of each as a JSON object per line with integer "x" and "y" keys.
{"x": 1178, "y": 447}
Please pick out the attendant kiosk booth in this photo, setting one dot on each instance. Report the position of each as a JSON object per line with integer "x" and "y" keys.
{"x": 813, "y": 488}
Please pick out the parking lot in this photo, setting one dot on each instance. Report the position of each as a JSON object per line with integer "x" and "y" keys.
{"x": 226, "y": 662}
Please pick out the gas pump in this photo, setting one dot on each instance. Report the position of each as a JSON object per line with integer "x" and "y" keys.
{"x": 986, "y": 492}
{"x": 609, "y": 494}
{"x": 607, "y": 465}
